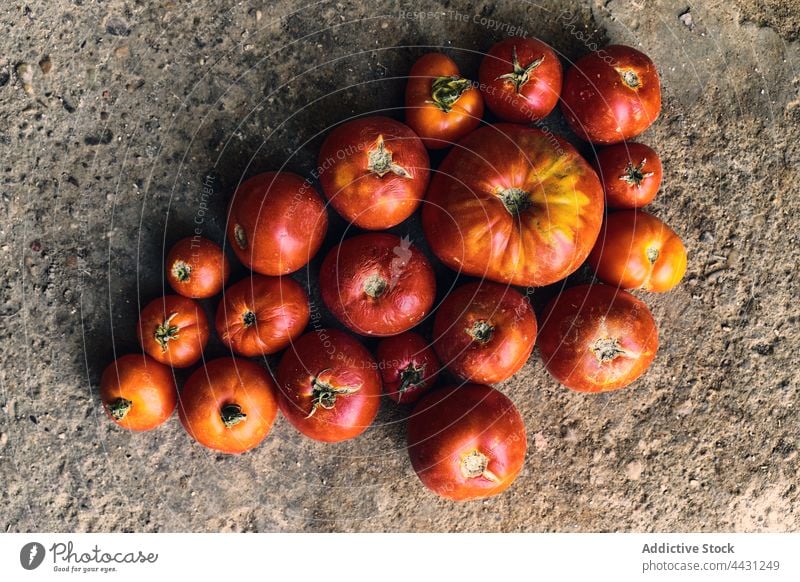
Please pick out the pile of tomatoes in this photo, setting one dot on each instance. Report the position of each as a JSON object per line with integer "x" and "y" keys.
{"x": 511, "y": 204}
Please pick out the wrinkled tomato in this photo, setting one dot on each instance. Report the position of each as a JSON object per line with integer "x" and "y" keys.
{"x": 408, "y": 365}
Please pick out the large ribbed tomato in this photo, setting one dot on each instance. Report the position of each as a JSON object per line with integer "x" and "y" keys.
{"x": 276, "y": 223}
{"x": 596, "y": 338}
{"x": 330, "y": 388}
{"x": 466, "y": 442}
{"x": 484, "y": 332}
{"x": 377, "y": 284}
{"x": 513, "y": 204}
{"x": 441, "y": 105}
{"x": 611, "y": 95}
{"x": 374, "y": 171}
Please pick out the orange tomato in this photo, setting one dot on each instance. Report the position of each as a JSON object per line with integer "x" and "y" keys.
{"x": 441, "y": 106}
{"x": 635, "y": 250}
{"x": 197, "y": 268}
{"x": 137, "y": 392}
{"x": 174, "y": 330}
{"x": 229, "y": 405}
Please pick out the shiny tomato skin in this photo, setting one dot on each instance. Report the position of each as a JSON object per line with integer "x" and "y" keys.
{"x": 173, "y": 330}
{"x": 515, "y": 205}
{"x": 377, "y": 284}
{"x": 630, "y": 173}
{"x": 276, "y": 223}
{"x": 484, "y": 332}
{"x": 442, "y": 116}
{"x": 611, "y": 95}
{"x": 466, "y": 442}
{"x": 262, "y": 315}
{"x": 596, "y": 338}
{"x": 409, "y": 367}
{"x": 636, "y": 250}
{"x": 138, "y": 393}
{"x": 329, "y": 386}
{"x": 374, "y": 171}
{"x": 539, "y": 87}
{"x": 197, "y": 268}
{"x": 229, "y": 405}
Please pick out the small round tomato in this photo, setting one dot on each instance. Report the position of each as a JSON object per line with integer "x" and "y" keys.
{"x": 374, "y": 171}
{"x": 229, "y": 405}
{"x": 441, "y": 106}
{"x": 596, "y": 338}
{"x": 137, "y": 392}
{"x": 611, "y": 95}
{"x": 484, "y": 332}
{"x": 262, "y": 315}
{"x": 329, "y": 386}
{"x": 409, "y": 367}
{"x": 520, "y": 79}
{"x": 630, "y": 173}
{"x": 377, "y": 284}
{"x": 276, "y": 223}
{"x": 197, "y": 268}
{"x": 174, "y": 330}
{"x": 466, "y": 442}
{"x": 513, "y": 204}
{"x": 635, "y": 250}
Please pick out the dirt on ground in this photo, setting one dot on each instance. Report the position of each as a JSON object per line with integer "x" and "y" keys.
{"x": 113, "y": 117}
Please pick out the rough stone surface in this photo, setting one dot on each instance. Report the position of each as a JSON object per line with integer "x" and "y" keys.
{"x": 103, "y": 162}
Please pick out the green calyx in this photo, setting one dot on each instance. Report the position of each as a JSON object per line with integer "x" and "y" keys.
{"x": 231, "y": 415}
{"x": 635, "y": 175}
{"x": 324, "y": 395}
{"x": 119, "y": 408}
{"x": 446, "y": 91}
{"x": 166, "y": 332}
{"x": 519, "y": 74}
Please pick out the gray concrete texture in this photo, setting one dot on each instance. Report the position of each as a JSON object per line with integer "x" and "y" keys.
{"x": 115, "y": 113}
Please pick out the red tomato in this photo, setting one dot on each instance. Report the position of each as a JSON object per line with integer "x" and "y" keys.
{"x": 466, "y": 442}
{"x": 174, "y": 330}
{"x": 137, "y": 392}
{"x": 197, "y": 268}
{"x": 630, "y": 173}
{"x": 515, "y": 205}
{"x": 329, "y": 386}
{"x": 276, "y": 223}
{"x": 377, "y": 284}
{"x": 262, "y": 315}
{"x": 229, "y": 405}
{"x": 441, "y": 106}
{"x": 636, "y": 250}
{"x": 520, "y": 79}
{"x": 611, "y": 95}
{"x": 484, "y": 332}
{"x": 409, "y": 367}
{"x": 596, "y": 338}
{"x": 374, "y": 171}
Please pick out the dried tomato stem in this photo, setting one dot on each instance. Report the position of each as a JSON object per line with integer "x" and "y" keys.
{"x": 119, "y": 408}
{"x": 519, "y": 74}
{"x": 446, "y": 91}
{"x": 231, "y": 415}
{"x": 380, "y": 161}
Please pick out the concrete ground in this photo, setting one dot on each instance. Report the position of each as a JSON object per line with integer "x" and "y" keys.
{"x": 114, "y": 114}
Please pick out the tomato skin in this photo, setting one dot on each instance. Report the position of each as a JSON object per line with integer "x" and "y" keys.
{"x": 484, "y": 332}
{"x": 630, "y": 173}
{"x": 197, "y": 268}
{"x": 515, "y": 205}
{"x": 457, "y": 431}
{"x": 603, "y": 106}
{"x": 385, "y": 195}
{"x": 409, "y": 367}
{"x": 138, "y": 393}
{"x": 333, "y": 362}
{"x": 173, "y": 330}
{"x": 537, "y": 95}
{"x": 377, "y": 284}
{"x": 223, "y": 390}
{"x": 262, "y": 315}
{"x": 596, "y": 338}
{"x": 636, "y": 250}
{"x": 276, "y": 223}
{"x": 441, "y": 123}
